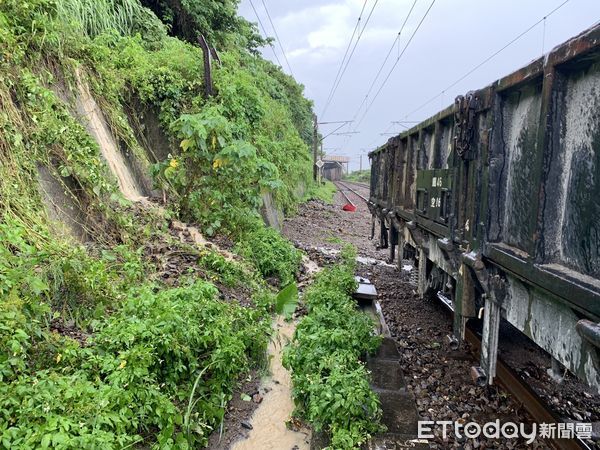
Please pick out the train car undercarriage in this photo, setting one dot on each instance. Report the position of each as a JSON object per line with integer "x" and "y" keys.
{"x": 496, "y": 199}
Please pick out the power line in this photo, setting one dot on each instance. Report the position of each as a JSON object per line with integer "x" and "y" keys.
{"x": 385, "y": 60}
{"x": 265, "y": 33}
{"x": 396, "y": 40}
{"x": 329, "y": 97}
{"x": 355, "y": 45}
{"x": 396, "y": 63}
{"x": 339, "y": 80}
{"x": 334, "y": 131}
{"x": 278, "y": 39}
{"x": 378, "y": 137}
{"x": 493, "y": 55}
{"x": 406, "y": 127}
{"x": 479, "y": 65}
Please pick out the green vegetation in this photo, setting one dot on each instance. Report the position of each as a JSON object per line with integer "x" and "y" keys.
{"x": 330, "y": 382}
{"x": 139, "y": 367}
{"x": 360, "y": 176}
{"x": 324, "y": 192}
{"x": 332, "y": 239}
{"x": 94, "y": 17}
{"x": 287, "y": 301}
{"x": 218, "y": 21}
{"x": 271, "y": 254}
{"x": 97, "y": 349}
{"x": 94, "y": 356}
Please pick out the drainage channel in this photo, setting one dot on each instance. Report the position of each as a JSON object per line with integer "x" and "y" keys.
{"x": 400, "y": 415}
{"x": 269, "y": 422}
{"x": 271, "y": 427}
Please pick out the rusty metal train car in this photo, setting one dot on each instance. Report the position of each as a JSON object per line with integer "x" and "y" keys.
{"x": 497, "y": 200}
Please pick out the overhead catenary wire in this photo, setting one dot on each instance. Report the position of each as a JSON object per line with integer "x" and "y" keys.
{"x": 489, "y": 58}
{"x": 265, "y": 33}
{"x": 278, "y": 38}
{"x": 396, "y": 40}
{"x": 543, "y": 19}
{"x": 329, "y": 96}
{"x": 345, "y": 65}
{"x": 355, "y": 45}
{"x": 400, "y": 54}
{"x": 370, "y": 105}
{"x": 334, "y": 131}
{"x": 378, "y": 137}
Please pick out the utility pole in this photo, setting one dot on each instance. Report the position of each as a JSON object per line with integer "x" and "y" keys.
{"x": 360, "y": 170}
{"x": 315, "y": 146}
{"x": 320, "y": 169}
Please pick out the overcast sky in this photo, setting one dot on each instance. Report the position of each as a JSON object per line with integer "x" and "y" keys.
{"x": 454, "y": 37}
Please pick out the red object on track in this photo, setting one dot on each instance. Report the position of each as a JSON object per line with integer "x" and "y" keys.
{"x": 349, "y": 207}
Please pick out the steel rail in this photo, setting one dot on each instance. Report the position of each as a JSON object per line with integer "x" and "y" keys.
{"x": 358, "y": 183}
{"x": 362, "y": 197}
{"x": 344, "y": 193}
{"x": 526, "y": 396}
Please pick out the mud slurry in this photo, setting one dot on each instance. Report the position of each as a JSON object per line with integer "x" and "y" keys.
{"x": 270, "y": 422}
{"x": 313, "y": 230}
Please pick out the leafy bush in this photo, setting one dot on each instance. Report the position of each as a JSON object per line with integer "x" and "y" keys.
{"x": 167, "y": 339}
{"x": 219, "y": 179}
{"x": 51, "y": 410}
{"x": 323, "y": 192}
{"x": 271, "y": 254}
{"x": 218, "y": 21}
{"x": 134, "y": 377}
{"x": 361, "y": 176}
{"x": 92, "y": 355}
{"x": 330, "y": 382}
{"x": 268, "y": 110}
{"x": 220, "y": 268}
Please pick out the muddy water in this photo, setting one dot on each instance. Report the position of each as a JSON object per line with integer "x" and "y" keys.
{"x": 269, "y": 430}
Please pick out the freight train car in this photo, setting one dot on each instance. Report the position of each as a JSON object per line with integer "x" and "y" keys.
{"x": 497, "y": 199}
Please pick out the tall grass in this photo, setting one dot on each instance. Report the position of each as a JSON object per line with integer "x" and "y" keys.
{"x": 95, "y": 17}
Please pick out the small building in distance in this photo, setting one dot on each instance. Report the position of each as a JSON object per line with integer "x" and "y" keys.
{"x": 334, "y": 167}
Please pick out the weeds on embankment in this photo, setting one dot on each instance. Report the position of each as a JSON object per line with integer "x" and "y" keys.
{"x": 330, "y": 381}
{"x": 96, "y": 349}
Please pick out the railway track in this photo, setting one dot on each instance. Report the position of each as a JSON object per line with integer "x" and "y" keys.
{"x": 343, "y": 192}
{"x": 520, "y": 391}
{"x": 344, "y": 186}
{"x": 512, "y": 383}
{"x": 359, "y": 184}
{"x": 508, "y": 379}
{"x": 428, "y": 209}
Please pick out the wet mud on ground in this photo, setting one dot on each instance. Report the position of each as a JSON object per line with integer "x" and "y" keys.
{"x": 437, "y": 376}
{"x": 319, "y": 225}
{"x": 270, "y": 422}
{"x": 258, "y": 417}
